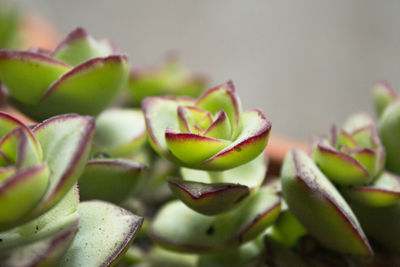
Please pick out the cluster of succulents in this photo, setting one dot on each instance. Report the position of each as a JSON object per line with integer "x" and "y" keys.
{"x": 191, "y": 163}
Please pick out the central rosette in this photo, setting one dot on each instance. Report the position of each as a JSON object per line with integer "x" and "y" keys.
{"x": 210, "y": 133}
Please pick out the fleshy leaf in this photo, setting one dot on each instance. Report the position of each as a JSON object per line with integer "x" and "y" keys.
{"x": 204, "y": 147}
{"x": 384, "y": 95}
{"x": 60, "y": 218}
{"x": 368, "y": 158}
{"x": 222, "y": 97}
{"x": 44, "y": 252}
{"x": 389, "y": 127}
{"x": 27, "y": 75}
{"x": 79, "y": 47}
{"x": 340, "y": 167}
{"x": 358, "y": 121}
{"x": 21, "y": 148}
{"x": 384, "y": 191}
{"x": 21, "y": 193}
{"x": 9, "y": 123}
{"x": 161, "y": 113}
{"x": 209, "y": 199}
{"x": 345, "y": 139}
{"x": 381, "y": 223}
{"x": 119, "y": 132}
{"x": 189, "y": 116}
{"x": 66, "y": 142}
{"x": 250, "y": 174}
{"x": 71, "y": 93}
{"x": 105, "y": 233}
{"x": 109, "y": 179}
{"x": 220, "y": 128}
{"x": 287, "y": 230}
{"x": 319, "y": 207}
{"x": 177, "y": 227}
{"x": 248, "y": 145}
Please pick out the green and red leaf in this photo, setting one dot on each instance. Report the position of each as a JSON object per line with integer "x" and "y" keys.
{"x": 66, "y": 141}
{"x": 119, "y": 132}
{"x": 105, "y": 232}
{"x": 109, "y": 179}
{"x": 249, "y": 144}
{"x": 28, "y": 75}
{"x": 319, "y": 207}
{"x": 209, "y": 199}
{"x": 79, "y": 47}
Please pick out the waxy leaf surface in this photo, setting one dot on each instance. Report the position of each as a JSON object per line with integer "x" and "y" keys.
{"x": 319, "y": 207}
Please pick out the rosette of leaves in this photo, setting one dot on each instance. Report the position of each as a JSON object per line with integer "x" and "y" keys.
{"x": 345, "y": 182}
{"x": 171, "y": 78}
{"x": 40, "y": 211}
{"x": 81, "y": 75}
{"x": 219, "y": 148}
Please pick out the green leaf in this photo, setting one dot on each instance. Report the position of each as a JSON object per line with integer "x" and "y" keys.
{"x": 183, "y": 145}
{"x": 45, "y": 252}
{"x": 21, "y": 193}
{"x": 109, "y": 179}
{"x": 189, "y": 117}
{"x": 66, "y": 142}
{"x": 220, "y": 128}
{"x": 249, "y": 144}
{"x": 339, "y": 167}
{"x": 389, "y": 128}
{"x": 60, "y": 218}
{"x": 250, "y": 174}
{"x": 27, "y": 75}
{"x": 79, "y": 47}
{"x": 119, "y": 132}
{"x": 21, "y": 148}
{"x": 381, "y": 223}
{"x": 161, "y": 113}
{"x": 87, "y": 89}
{"x": 358, "y": 121}
{"x": 223, "y": 97}
{"x": 287, "y": 230}
{"x": 383, "y": 95}
{"x": 384, "y": 191}
{"x": 209, "y": 199}
{"x": 319, "y": 207}
{"x": 177, "y": 227}
{"x": 105, "y": 232}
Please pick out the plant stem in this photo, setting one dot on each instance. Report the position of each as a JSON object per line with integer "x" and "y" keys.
{"x": 216, "y": 176}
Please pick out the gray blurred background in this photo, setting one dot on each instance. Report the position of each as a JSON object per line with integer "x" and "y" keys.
{"x": 306, "y": 64}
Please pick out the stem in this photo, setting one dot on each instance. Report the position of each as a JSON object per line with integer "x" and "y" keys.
{"x": 216, "y": 176}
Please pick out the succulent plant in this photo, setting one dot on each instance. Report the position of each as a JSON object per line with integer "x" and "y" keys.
{"x": 343, "y": 189}
{"x": 213, "y": 125}
{"x": 171, "y": 78}
{"x": 82, "y": 75}
{"x": 41, "y": 213}
{"x": 219, "y": 149}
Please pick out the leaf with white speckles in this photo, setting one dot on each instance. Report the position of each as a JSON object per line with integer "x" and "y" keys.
{"x": 105, "y": 232}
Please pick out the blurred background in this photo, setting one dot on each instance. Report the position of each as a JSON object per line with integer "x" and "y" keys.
{"x": 306, "y": 64}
